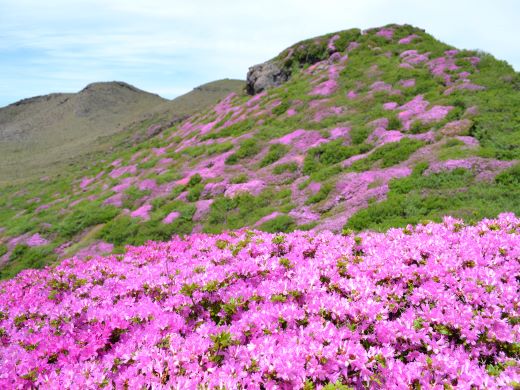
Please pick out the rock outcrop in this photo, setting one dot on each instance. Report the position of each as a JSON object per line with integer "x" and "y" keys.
{"x": 264, "y": 76}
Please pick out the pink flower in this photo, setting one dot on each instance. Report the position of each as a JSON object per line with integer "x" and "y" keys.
{"x": 142, "y": 212}
{"x": 171, "y": 217}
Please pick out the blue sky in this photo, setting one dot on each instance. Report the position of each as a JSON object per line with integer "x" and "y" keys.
{"x": 170, "y": 46}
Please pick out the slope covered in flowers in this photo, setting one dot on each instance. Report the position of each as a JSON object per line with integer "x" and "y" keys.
{"x": 373, "y": 129}
{"x": 430, "y": 306}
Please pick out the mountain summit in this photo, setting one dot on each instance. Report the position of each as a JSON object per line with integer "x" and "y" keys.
{"x": 352, "y": 130}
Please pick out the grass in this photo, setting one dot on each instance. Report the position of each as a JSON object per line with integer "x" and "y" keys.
{"x": 388, "y": 155}
{"x": 245, "y": 209}
{"x": 275, "y": 152}
{"x": 23, "y": 257}
{"x": 330, "y": 153}
{"x": 281, "y": 223}
{"x": 248, "y": 148}
{"x": 85, "y": 215}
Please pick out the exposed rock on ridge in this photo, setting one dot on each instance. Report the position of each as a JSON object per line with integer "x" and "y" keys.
{"x": 264, "y": 76}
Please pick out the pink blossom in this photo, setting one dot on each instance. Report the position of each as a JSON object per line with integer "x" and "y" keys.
{"x": 123, "y": 185}
{"x": 203, "y": 207}
{"x": 325, "y": 88}
{"x": 390, "y": 106}
{"x": 249, "y": 309}
{"x": 147, "y": 184}
{"x": 339, "y": 132}
{"x": 36, "y": 240}
{"x": 352, "y": 94}
{"x": 268, "y": 218}
{"x": 408, "y": 39}
{"x": 142, "y": 212}
{"x": 132, "y": 169}
{"x": 291, "y": 112}
{"x": 254, "y": 187}
{"x": 171, "y": 217}
{"x": 407, "y": 83}
{"x": 85, "y": 182}
{"x": 386, "y": 32}
{"x": 330, "y": 44}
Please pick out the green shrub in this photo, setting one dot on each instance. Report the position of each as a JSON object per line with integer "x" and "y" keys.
{"x": 276, "y": 152}
{"x": 194, "y": 180}
{"x": 248, "y": 148}
{"x": 389, "y": 154}
{"x": 85, "y": 215}
{"x": 131, "y": 195}
{"x": 394, "y": 123}
{"x": 320, "y": 195}
{"x": 330, "y": 153}
{"x": 509, "y": 177}
{"x": 239, "y": 179}
{"x": 287, "y": 167}
{"x": 359, "y": 134}
{"x": 416, "y": 198}
{"x": 245, "y": 209}
{"x": 194, "y": 192}
{"x": 120, "y": 231}
{"x": 24, "y": 256}
{"x": 281, "y": 223}
{"x": 281, "y": 108}
{"x": 167, "y": 177}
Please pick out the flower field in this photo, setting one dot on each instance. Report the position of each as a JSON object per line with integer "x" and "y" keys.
{"x": 428, "y": 306}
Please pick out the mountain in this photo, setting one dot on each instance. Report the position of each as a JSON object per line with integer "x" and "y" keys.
{"x": 349, "y": 131}
{"x": 41, "y": 135}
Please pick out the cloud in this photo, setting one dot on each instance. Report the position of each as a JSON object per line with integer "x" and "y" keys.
{"x": 65, "y": 44}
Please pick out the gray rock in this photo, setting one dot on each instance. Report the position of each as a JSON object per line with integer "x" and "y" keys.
{"x": 264, "y": 76}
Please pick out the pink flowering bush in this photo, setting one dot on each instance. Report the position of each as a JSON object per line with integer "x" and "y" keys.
{"x": 325, "y": 88}
{"x": 430, "y": 306}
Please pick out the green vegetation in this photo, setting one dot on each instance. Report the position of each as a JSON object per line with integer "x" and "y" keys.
{"x": 248, "y": 148}
{"x": 85, "y": 214}
{"x": 126, "y": 230}
{"x": 490, "y": 115}
{"x": 509, "y": 177}
{"x": 281, "y": 223}
{"x": 239, "y": 179}
{"x": 275, "y": 152}
{"x": 132, "y": 195}
{"x": 456, "y": 193}
{"x": 388, "y": 155}
{"x": 245, "y": 209}
{"x": 329, "y": 154}
{"x": 321, "y": 194}
{"x": 287, "y": 167}
{"x": 23, "y": 257}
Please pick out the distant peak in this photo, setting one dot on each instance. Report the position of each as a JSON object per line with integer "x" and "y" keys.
{"x": 109, "y": 85}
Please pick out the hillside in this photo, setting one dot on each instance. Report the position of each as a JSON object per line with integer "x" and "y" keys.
{"x": 353, "y": 130}
{"x": 42, "y": 135}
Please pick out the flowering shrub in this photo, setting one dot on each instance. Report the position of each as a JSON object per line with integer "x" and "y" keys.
{"x": 432, "y": 305}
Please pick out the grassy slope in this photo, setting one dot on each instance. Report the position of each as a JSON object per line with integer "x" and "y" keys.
{"x": 305, "y": 183}
{"x": 41, "y": 136}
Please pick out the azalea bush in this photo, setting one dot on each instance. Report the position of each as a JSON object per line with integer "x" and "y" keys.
{"x": 430, "y": 306}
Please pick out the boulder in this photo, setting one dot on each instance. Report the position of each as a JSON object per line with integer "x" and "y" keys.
{"x": 264, "y": 76}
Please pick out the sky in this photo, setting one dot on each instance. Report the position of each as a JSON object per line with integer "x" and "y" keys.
{"x": 169, "y": 47}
